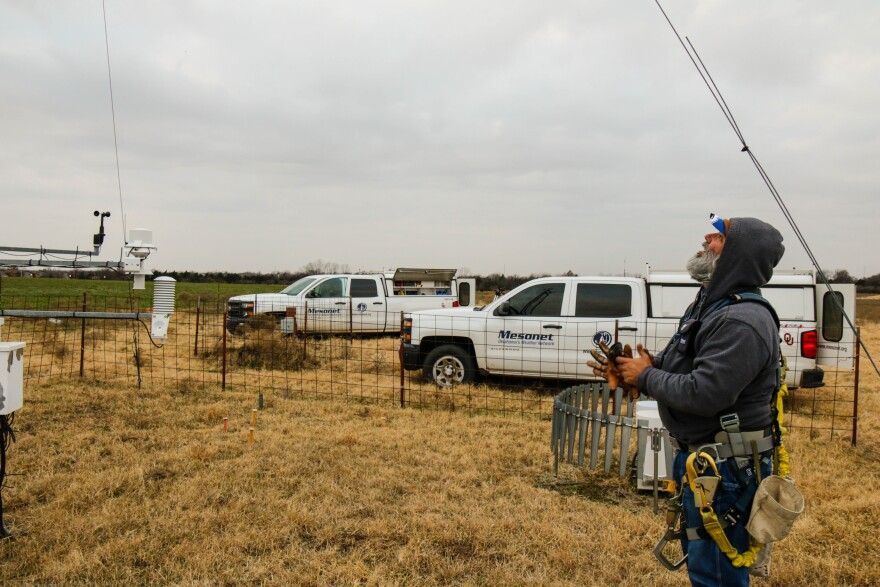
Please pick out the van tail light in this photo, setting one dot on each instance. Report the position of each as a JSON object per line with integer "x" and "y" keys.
{"x": 407, "y": 330}
{"x": 455, "y": 304}
{"x": 809, "y": 344}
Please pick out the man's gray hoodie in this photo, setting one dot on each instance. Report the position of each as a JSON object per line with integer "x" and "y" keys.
{"x": 733, "y": 365}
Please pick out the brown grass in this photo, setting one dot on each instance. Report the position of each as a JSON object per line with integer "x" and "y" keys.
{"x": 110, "y": 485}
{"x": 868, "y": 309}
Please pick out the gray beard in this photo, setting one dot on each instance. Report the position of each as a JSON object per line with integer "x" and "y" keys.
{"x": 700, "y": 267}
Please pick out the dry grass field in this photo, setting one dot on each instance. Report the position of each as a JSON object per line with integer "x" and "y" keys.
{"x": 115, "y": 486}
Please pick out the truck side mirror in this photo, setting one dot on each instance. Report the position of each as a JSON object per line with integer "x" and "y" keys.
{"x": 503, "y": 309}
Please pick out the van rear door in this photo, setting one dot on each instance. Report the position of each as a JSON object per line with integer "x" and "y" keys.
{"x": 836, "y": 339}
{"x": 466, "y": 292}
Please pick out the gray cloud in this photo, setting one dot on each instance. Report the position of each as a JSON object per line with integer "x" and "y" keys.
{"x": 496, "y": 136}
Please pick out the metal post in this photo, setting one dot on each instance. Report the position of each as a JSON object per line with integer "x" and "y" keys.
{"x": 597, "y": 425}
{"x": 400, "y": 357}
{"x": 198, "y": 315}
{"x": 223, "y": 384}
{"x": 555, "y": 438}
{"x": 655, "y": 446}
{"x": 856, "y": 388}
{"x": 305, "y": 331}
{"x": 82, "y": 342}
{"x": 625, "y": 436}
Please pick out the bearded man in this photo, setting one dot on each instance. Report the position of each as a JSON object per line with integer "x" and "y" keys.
{"x": 714, "y": 382}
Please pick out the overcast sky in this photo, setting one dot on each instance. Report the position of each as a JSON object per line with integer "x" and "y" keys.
{"x": 492, "y": 135}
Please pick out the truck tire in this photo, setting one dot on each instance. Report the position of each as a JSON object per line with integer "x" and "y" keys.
{"x": 449, "y": 365}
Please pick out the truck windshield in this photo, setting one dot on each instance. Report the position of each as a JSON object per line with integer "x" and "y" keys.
{"x": 296, "y": 288}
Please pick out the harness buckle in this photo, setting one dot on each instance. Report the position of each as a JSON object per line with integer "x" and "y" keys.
{"x": 732, "y": 517}
{"x": 730, "y": 422}
{"x": 710, "y": 448}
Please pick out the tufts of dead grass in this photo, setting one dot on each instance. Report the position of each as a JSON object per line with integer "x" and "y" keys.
{"x": 111, "y": 485}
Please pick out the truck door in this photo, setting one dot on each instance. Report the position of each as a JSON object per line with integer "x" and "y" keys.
{"x": 836, "y": 340}
{"x": 327, "y": 306}
{"x": 368, "y": 305}
{"x": 527, "y": 339}
{"x": 597, "y": 309}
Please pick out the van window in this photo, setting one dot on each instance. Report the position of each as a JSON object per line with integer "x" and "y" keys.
{"x": 364, "y": 288}
{"x": 464, "y": 294}
{"x": 603, "y": 300}
{"x": 832, "y": 317}
{"x": 670, "y": 301}
{"x": 792, "y": 302}
{"x": 543, "y": 299}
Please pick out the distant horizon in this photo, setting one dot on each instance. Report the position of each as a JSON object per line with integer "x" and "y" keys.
{"x": 159, "y": 272}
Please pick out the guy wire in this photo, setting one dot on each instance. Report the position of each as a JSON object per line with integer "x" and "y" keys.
{"x": 113, "y": 116}
{"x": 719, "y": 99}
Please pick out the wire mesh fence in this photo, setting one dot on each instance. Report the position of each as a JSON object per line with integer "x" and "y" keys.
{"x": 263, "y": 356}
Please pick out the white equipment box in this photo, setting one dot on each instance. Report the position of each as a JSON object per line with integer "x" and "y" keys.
{"x": 11, "y": 376}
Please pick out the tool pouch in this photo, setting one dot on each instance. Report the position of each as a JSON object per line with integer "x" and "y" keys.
{"x": 776, "y": 506}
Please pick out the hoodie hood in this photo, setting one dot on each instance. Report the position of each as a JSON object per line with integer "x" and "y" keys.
{"x": 751, "y": 251}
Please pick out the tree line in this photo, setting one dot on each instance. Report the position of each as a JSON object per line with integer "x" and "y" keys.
{"x": 498, "y": 282}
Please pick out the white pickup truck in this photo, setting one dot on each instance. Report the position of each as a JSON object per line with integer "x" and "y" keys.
{"x": 369, "y": 303}
{"x": 547, "y": 327}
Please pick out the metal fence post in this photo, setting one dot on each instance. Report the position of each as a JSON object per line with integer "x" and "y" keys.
{"x": 82, "y": 343}
{"x": 223, "y": 382}
{"x": 855, "y": 427}
{"x": 198, "y": 315}
{"x": 400, "y": 360}
{"x": 305, "y": 330}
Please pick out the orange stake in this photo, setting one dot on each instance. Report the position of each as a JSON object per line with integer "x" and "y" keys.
{"x": 225, "y": 424}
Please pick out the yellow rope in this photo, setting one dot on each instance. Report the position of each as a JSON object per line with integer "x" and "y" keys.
{"x": 782, "y": 462}
{"x": 713, "y": 527}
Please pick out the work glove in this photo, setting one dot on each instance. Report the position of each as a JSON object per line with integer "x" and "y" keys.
{"x": 604, "y": 366}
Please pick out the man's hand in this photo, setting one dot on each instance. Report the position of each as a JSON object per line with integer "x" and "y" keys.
{"x": 629, "y": 368}
{"x": 604, "y": 366}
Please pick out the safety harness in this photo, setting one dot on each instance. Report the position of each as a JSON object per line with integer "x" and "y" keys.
{"x": 703, "y": 486}
{"x": 701, "y": 471}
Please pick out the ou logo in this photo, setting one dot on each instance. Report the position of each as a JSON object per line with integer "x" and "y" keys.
{"x": 362, "y": 307}
{"x": 788, "y": 338}
{"x": 602, "y": 336}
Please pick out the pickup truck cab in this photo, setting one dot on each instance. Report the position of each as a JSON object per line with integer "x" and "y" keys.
{"x": 548, "y": 326}
{"x": 343, "y": 303}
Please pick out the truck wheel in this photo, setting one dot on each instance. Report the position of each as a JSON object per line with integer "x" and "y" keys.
{"x": 449, "y": 365}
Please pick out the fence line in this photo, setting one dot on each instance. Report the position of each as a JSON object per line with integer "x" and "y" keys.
{"x": 200, "y": 354}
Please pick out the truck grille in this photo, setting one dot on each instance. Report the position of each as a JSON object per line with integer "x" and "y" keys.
{"x": 236, "y": 309}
